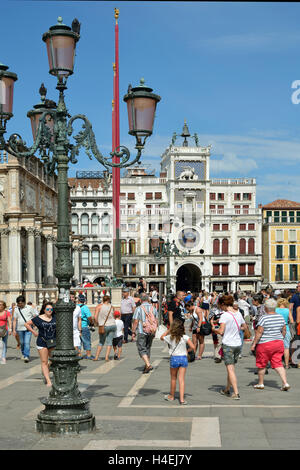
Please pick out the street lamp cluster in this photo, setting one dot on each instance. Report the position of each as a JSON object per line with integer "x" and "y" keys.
{"x": 66, "y": 410}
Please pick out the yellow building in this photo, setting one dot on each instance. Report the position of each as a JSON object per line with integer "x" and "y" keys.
{"x": 281, "y": 244}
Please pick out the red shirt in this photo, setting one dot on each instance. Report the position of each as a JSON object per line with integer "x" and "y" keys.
{"x": 4, "y": 318}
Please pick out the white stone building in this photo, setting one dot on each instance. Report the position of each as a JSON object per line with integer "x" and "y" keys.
{"x": 214, "y": 222}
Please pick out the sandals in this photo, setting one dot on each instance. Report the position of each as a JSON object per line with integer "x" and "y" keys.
{"x": 167, "y": 398}
{"x": 225, "y": 392}
{"x": 147, "y": 370}
{"x": 182, "y": 403}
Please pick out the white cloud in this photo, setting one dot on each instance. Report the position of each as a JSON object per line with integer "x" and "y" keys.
{"x": 230, "y": 163}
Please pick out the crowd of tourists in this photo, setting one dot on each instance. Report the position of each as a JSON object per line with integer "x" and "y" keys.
{"x": 270, "y": 320}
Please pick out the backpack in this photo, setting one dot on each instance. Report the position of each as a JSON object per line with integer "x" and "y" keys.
{"x": 205, "y": 328}
{"x": 150, "y": 323}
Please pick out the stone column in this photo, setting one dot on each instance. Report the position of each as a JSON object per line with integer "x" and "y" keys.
{"x": 4, "y": 256}
{"x": 31, "y": 257}
{"x": 77, "y": 254}
{"x": 15, "y": 258}
{"x": 38, "y": 258}
{"x": 50, "y": 262}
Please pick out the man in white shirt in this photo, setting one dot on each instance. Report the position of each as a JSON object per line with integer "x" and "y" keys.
{"x": 76, "y": 324}
{"x": 22, "y": 314}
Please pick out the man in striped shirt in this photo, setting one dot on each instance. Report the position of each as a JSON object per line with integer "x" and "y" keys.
{"x": 268, "y": 344}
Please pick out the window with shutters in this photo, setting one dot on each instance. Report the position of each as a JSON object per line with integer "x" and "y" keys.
{"x": 216, "y": 226}
{"x": 149, "y": 196}
{"x": 220, "y": 196}
{"x": 225, "y": 227}
{"x": 158, "y": 195}
{"x": 212, "y": 196}
{"x": 106, "y": 256}
{"x": 152, "y": 269}
{"x": 292, "y": 235}
{"x": 95, "y": 256}
{"x": 237, "y": 196}
{"x": 251, "y": 226}
{"x": 225, "y": 246}
{"x": 132, "y": 269}
{"x": 279, "y": 235}
{"x": 242, "y": 269}
{"x": 85, "y": 256}
{"x": 84, "y": 224}
{"x": 216, "y": 269}
{"x": 216, "y": 247}
{"x": 161, "y": 269}
{"x": 224, "y": 269}
{"x": 242, "y": 226}
{"x": 131, "y": 196}
{"x": 242, "y": 246}
{"x": 279, "y": 272}
{"x": 293, "y": 272}
{"x": 279, "y": 251}
{"x": 251, "y": 269}
{"x": 251, "y": 246}
{"x": 292, "y": 251}
{"x": 124, "y": 269}
{"x": 283, "y": 216}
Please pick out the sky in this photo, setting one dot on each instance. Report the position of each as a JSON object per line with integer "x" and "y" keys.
{"x": 228, "y": 68}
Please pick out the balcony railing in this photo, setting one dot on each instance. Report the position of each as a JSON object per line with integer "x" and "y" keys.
{"x": 232, "y": 211}
{"x": 233, "y": 181}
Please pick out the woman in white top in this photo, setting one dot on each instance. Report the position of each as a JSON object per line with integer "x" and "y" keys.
{"x": 231, "y": 322}
{"x": 177, "y": 342}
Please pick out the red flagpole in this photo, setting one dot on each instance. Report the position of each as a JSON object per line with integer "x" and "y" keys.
{"x": 116, "y": 143}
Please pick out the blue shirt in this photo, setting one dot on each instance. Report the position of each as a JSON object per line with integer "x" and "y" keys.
{"x": 296, "y": 301}
{"x": 285, "y": 313}
{"x": 85, "y": 314}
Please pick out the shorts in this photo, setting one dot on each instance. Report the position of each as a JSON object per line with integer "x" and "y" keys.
{"x": 108, "y": 336}
{"x": 287, "y": 340}
{"x": 231, "y": 354}
{"x": 178, "y": 361}
{"x": 271, "y": 351}
{"x": 205, "y": 306}
{"x": 118, "y": 342}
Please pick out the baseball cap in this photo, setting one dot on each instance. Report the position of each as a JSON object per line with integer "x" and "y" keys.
{"x": 126, "y": 289}
{"x": 81, "y": 297}
{"x": 117, "y": 313}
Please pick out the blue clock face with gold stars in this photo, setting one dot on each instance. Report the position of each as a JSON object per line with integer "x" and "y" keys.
{"x": 189, "y": 238}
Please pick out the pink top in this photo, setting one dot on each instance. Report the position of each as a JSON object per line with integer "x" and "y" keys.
{"x": 3, "y": 318}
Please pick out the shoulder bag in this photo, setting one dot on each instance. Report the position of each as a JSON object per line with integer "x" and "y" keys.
{"x": 101, "y": 328}
{"x": 3, "y": 330}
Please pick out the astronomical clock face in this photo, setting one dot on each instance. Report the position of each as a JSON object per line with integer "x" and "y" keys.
{"x": 189, "y": 238}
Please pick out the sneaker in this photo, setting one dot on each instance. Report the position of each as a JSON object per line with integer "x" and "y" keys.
{"x": 182, "y": 403}
{"x": 259, "y": 387}
{"x": 26, "y": 359}
{"x": 167, "y": 398}
{"x": 217, "y": 361}
{"x": 115, "y": 357}
{"x": 285, "y": 387}
{"x": 224, "y": 392}
{"x": 235, "y": 396}
{"x": 3, "y": 361}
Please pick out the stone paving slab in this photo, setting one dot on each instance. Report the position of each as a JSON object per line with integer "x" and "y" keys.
{"x": 130, "y": 409}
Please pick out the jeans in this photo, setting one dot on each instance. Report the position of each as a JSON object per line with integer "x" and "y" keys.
{"x": 4, "y": 346}
{"x": 86, "y": 339}
{"x": 242, "y": 338}
{"x": 127, "y": 319}
{"x": 25, "y": 338}
{"x": 108, "y": 335}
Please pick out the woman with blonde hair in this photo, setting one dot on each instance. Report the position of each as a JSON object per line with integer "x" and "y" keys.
{"x": 283, "y": 309}
{"x": 177, "y": 342}
{"x": 104, "y": 316}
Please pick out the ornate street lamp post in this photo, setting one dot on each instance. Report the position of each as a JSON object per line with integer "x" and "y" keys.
{"x": 166, "y": 250}
{"x": 66, "y": 411}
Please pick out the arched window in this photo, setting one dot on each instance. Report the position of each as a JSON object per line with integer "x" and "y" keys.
{"x": 242, "y": 244}
{"x": 95, "y": 224}
{"x": 75, "y": 224}
{"x": 225, "y": 246}
{"x": 251, "y": 246}
{"x": 106, "y": 256}
{"x": 132, "y": 247}
{"x": 123, "y": 247}
{"x": 84, "y": 224}
{"x": 95, "y": 256}
{"x": 105, "y": 223}
{"x": 85, "y": 256}
{"x": 216, "y": 246}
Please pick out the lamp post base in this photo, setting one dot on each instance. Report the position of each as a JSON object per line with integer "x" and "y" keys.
{"x": 48, "y": 422}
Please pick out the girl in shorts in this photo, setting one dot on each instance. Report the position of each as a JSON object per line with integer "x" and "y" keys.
{"x": 177, "y": 342}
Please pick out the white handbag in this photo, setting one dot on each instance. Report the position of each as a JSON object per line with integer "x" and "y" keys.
{"x": 160, "y": 331}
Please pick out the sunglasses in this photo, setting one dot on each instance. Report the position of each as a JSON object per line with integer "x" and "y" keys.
{"x": 50, "y": 309}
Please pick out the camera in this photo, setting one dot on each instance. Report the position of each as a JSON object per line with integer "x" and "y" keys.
{"x": 91, "y": 328}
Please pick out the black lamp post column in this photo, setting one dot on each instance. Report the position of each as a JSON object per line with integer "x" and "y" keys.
{"x": 66, "y": 411}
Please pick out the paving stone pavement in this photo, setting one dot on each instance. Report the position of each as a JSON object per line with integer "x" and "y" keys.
{"x": 131, "y": 413}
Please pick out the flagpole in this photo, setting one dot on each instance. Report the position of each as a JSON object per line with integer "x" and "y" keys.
{"x": 116, "y": 144}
